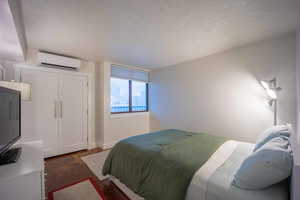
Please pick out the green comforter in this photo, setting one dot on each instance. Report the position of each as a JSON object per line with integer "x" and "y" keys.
{"x": 160, "y": 165}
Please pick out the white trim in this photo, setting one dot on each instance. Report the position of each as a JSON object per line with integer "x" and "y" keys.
{"x": 132, "y": 114}
{"x": 46, "y": 69}
{"x": 130, "y": 66}
{"x": 295, "y": 182}
{"x": 123, "y": 72}
{"x": 294, "y": 144}
{"x": 92, "y": 145}
{"x": 109, "y": 145}
{"x": 99, "y": 144}
{"x": 91, "y": 110}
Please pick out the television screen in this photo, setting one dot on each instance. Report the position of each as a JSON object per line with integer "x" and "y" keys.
{"x": 9, "y": 118}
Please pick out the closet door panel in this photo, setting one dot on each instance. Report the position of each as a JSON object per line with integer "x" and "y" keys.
{"x": 39, "y": 115}
{"x": 73, "y": 112}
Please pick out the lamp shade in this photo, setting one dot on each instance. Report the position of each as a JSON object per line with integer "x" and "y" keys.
{"x": 271, "y": 88}
{"x": 265, "y": 84}
{"x": 271, "y": 93}
{"x": 24, "y": 88}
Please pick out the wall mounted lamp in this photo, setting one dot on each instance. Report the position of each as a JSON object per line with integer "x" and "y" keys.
{"x": 271, "y": 89}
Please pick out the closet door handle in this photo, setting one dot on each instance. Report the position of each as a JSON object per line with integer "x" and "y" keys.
{"x": 61, "y": 109}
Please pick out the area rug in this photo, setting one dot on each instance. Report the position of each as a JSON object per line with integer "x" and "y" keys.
{"x": 84, "y": 189}
{"x": 95, "y": 163}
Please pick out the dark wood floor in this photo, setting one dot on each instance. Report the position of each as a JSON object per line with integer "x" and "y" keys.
{"x": 67, "y": 169}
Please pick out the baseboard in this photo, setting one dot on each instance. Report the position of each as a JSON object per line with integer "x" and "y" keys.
{"x": 92, "y": 145}
{"x": 109, "y": 145}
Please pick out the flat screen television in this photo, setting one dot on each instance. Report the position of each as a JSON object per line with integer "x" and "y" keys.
{"x": 10, "y": 124}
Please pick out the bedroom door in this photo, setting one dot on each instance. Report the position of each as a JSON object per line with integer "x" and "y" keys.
{"x": 39, "y": 116}
{"x": 73, "y": 112}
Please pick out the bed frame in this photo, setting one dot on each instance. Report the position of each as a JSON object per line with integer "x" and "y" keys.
{"x": 295, "y": 181}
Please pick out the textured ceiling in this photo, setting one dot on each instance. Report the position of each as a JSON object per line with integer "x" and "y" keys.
{"x": 153, "y": 33}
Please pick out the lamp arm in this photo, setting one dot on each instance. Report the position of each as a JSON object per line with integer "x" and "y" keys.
{"x": 275, "y": 112}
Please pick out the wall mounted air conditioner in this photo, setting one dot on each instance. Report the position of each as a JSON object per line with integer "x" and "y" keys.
{"x": 54, "y": 60}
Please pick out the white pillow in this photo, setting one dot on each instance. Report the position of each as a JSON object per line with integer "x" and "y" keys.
{"x": 270, "y": 133}
{"x": 270, "y": 164}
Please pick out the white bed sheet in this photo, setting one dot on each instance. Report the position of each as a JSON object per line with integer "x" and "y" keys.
{"x": 198, "y": 186}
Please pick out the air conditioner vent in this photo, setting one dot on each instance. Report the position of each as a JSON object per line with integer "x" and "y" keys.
{"x": 58, "y": 61}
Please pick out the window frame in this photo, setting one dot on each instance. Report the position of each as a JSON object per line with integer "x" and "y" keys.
{"x": 130, "y": 99}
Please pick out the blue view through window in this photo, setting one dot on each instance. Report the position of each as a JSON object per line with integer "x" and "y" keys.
{"x": 139, "y": 96}
{"x": 119, "y": 95}
{"x": 121, "y": 101}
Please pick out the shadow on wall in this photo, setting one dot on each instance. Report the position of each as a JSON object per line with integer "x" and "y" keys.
{"x": 221, "y": 94}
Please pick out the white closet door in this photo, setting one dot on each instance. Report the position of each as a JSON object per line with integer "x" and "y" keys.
{"x": 73, "y": 112}
{"x": 40, "y": 115}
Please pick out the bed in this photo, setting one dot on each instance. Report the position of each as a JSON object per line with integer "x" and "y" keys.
{"x": 203, "y": 165}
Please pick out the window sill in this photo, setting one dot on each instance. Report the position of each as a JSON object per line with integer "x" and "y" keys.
{"x": 132, "y": 114}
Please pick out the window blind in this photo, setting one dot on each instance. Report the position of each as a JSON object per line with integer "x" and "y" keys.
{"x": 130, "y": 74}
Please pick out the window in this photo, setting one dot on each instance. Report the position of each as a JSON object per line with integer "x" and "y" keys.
{"x": 139, "y": 96}
{"x": 129, "y": 89}
{"x": 128, "y": 96}
{"x": 119, "y": 95}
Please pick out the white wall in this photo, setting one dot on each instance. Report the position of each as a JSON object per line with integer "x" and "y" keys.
{"x": 298, "y": 77}
{"x": 221, "y": 94}
{"x": 296, "y": 149}
{"x": 114, "y": 127}
{"x": 17, "y": 14}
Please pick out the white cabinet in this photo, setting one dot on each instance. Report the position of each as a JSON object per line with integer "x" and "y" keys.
{"x": 24, "y": 180}
{"x": 39, "y": 115}
{"x": 73, "y": 112}
{"x": 57, "y": 112}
